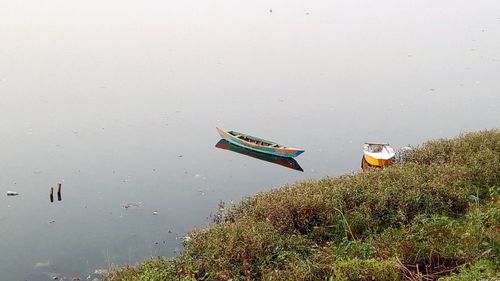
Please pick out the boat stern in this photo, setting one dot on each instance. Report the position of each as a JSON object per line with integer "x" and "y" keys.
{"x": 288, "y": 152}
{"x": 299, "y": 152}
{"x": 378, "y": 154}
{"x": 378, "y": 161}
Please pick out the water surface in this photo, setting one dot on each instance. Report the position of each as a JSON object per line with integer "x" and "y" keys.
{"x": 119, "y": 101}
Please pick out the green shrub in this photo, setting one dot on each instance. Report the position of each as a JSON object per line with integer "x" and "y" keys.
{"x": 240, "y": 249}
{"x": 457, "y": 151}
{"x": 157, "y": 269}
{"x": 348, "y": 249}
{"x": 481, "y": 270}
{"x": 358, "y": 269}
{"x": 436, "y": 242}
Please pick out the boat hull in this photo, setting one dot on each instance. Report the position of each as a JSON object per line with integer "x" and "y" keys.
{"x": 377, "y": 155}
{"x": 372, "y": 161}
{"x": 278, "y": 151}
{"x": 278, "y": 160}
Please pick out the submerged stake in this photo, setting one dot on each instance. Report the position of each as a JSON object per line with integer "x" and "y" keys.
{"x": 59, "y": 192}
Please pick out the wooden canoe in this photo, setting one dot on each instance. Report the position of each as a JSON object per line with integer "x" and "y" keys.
{"x": 258, "y": 144}
{"x": 278, "y": 160}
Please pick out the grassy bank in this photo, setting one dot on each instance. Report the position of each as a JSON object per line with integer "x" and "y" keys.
{"x": 437, "y": 215}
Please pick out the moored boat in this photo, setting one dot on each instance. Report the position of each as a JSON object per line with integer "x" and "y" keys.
{"x": 377, "y": 155}
{"x": 278, "y": 160}
{"x": 258, "y": 144}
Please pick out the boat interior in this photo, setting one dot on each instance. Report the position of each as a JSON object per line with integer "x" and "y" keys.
{"x": 249, "y": 139}
{"x": 378, "y": 148}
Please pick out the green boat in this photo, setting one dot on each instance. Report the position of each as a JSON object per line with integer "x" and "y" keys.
{"x": 258, "y": 144}
{"x": 278, "y": 160}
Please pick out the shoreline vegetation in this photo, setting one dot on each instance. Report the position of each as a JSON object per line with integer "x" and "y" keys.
{"x": 434, "y": 216}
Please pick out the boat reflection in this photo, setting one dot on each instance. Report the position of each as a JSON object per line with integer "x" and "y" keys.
{"x": 282, "y": 161}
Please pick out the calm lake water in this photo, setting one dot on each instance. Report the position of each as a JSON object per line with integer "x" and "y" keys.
{"x": 119, "y": 101}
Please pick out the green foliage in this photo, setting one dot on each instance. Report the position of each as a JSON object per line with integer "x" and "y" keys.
{"x": 458, "y": 151}
{"x": 374, "y": 200}
{"x": 371, "y": 269}
{"x": 324, "y": 266}
{"x": 481, "y": 270}
{"x": 441, "y": 242}
{"x": 157, "y": 269}
{"x": 348, "y": 249}
{"x": 242, "y": 248}
{"x": 435, "y": 214}
{"x": 477, "y": 153}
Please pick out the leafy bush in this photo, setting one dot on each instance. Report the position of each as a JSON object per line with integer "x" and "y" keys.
{"x": 242, "y": 248}
{"x": 441, "y": 242}
{"x": 157, "y": 269}
{"x": 481, "y": 270}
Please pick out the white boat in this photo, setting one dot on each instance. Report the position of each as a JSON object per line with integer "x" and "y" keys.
{"x": 376, "y": 154}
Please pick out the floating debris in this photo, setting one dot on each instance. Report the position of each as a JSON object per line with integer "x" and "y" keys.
{"x": 12, "y": 193}
{"x": 128, "y": 205}
{"x": 43, "y": 264}
{"x": 155, "y": 213}
{"x": 54, "y": 275}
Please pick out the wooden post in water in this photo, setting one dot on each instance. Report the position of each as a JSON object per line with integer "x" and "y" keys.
{"x": 59, "y": 192}
{"x": 51, "y": 194}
